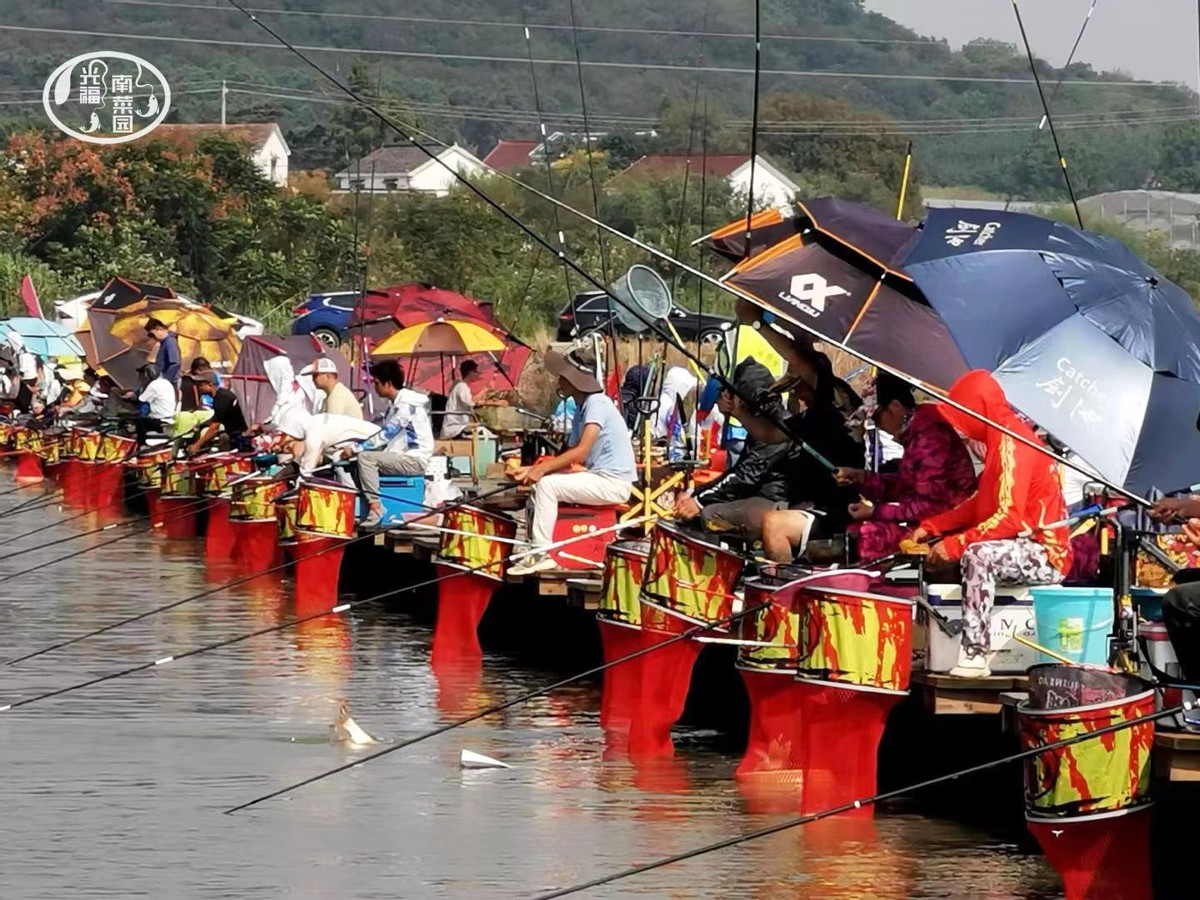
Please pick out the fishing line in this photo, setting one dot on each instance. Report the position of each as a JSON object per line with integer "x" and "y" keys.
{"x": 1062, "y": 160}
{"x": 408, "y": 130}
{"x": 338, "y": 608}
{"x": 1087, "y": 20}
{"x": 587, "y": 144}
{"x": 537, "y": 105}
{"x": 860, "y": 803}
{"x": 238, "y": 581}
{"x": 687, "y": 169}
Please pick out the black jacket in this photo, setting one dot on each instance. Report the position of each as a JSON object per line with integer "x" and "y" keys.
{"x": 809, "y": 481}
{"x": 761, "y": 471}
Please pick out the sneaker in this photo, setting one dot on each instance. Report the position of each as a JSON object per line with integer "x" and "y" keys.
{"x": 373, "y": 519}
{"x": 531, "y": 565}
{"x": 971, "y": 665}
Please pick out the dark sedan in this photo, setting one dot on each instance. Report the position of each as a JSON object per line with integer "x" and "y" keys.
{"x": 590, "y": 311}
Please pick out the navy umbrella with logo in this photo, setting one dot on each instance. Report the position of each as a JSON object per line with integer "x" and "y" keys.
{"x": 838, "y": 274}
{"x": 1087, "y": 340}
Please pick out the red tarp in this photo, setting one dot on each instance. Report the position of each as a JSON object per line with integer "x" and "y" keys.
{"x": 385, "y": 310}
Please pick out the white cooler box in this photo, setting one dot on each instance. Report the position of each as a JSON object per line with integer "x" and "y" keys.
{"x": 1012, "y": 614}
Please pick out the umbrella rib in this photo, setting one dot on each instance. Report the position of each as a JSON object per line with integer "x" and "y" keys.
{"x": 863, "y": 311}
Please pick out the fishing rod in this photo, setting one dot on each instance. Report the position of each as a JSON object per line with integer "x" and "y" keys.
{"x": 863, "y": 802}
{"x": 754, "y": 120}
{"x": 1037, "y": 79}
{"x": 1087, "y": 19}
{"x": 299, "y": 620}
{"x": 34, "y": 503}
{"x": 242, "y": 580}
{"x": 407, "y": 133}
{"x": 690, "y": 632}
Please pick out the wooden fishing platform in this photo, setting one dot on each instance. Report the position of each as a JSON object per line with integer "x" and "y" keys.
{"x": 943, "y": 695}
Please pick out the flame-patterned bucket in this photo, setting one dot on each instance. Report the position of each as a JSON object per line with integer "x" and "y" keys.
{"x": 7, "y": 430}
{"x": 27, "y": 439}
{"x": 88, "y": 444}
{"x": 854, "y": 639}
{"x": 477, "y": 539}
{"x": 327, "y": 509}
{"x": 1101, "y": 777}
{"x": 253, "y": 500}
{"x": 69, "y": 445}
{"x": 116, "y": 448}
{"x": 51, "y": 452}
{"x": 214, "y": 477}
{"x": 689, "y": 580}
{"x": 772, "y": 632}
{"x": 285, "y": 519}
{"x": 179, "y": 479}
{"x": 150, "y": 466}
{"x": 624, "y": 569}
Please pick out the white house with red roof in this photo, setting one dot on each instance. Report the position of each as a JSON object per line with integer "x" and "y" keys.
{"x": 771, "y": 186}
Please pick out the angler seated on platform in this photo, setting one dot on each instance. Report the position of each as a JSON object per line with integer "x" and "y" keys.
{"x": 228, "y": 420}
{"x": 405, "y": 444}
{"x": 1012, "y": 530}
{"x": 817, "y": 505}
{"x": 599, "y": 441}
{"x": 757, "y": 483}
{"x": 934, "y": 474}
{"x": 158, "y": 406}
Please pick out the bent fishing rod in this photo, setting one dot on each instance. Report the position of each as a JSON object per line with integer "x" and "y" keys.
{"x": 299, "y": 620}
{"x": 236, "y": 582}
{"x": 863, "y": 802}
{"x": 427, "y": 141}
{"x": 691, "y": 632}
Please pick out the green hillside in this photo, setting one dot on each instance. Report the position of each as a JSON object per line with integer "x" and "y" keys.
{"x": 971, "y": 114}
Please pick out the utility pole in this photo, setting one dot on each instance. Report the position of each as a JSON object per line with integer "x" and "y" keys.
{"x": 224, "y": 91}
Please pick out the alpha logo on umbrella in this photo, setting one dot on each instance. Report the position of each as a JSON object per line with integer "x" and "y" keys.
{"x": 977, "y": 235}
{"x": 808, "y": 293}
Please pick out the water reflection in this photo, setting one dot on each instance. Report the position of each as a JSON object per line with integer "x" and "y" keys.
{"x": 117, "y": 790}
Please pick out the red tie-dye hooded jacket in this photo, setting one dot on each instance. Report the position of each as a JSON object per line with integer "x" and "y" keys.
{"x": 1020, "y": 488}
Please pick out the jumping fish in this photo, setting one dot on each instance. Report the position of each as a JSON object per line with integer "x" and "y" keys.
{"x": 347, "y": 731}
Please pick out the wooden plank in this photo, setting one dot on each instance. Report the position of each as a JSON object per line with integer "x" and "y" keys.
{"x": 1177, "y": 756}
{"x": 1178, "y": 740}
{"x": 948, "y": 696}
{"x": 552, "y": 587}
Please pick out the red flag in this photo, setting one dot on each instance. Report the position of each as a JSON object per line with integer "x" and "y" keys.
{"x": 29, "y": 295}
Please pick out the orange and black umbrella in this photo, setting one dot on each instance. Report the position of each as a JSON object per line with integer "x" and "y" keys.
{"x": 767, "y": 228}
{"x": 837, "y": 274}
{"x": 123, "y": 346}
{"x": 119, "y": 293}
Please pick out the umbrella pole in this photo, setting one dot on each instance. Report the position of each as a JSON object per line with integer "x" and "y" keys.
{"x": 908, "y": 156}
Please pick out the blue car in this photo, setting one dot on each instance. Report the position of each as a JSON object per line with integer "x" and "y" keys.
{"x": 326, "y": 316}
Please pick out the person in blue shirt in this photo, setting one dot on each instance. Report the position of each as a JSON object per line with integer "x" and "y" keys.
{"x": 168, "y": 360}
{"x": 599, "y": 442}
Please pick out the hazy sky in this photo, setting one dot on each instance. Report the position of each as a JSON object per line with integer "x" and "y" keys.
{"x": 1154, "y": 39}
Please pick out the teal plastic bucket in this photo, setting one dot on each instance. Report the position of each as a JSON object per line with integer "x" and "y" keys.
{"x": 1074, "y": 622}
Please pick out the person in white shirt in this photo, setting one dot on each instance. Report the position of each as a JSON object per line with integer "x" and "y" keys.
{"x": 405, "y": 444}
{"x": 460, "y": 404}
{"x": 157, "y": 397}
{"x": 310, "y": 438}
{"x": 677, "y": 384}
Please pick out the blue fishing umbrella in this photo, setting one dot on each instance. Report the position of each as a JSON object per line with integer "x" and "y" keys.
{"x": 1087, "y": 340}
{"x": 48, "y": 340}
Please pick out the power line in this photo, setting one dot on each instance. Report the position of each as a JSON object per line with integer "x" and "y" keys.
{"x": 547, "y": 26}
{"x": 601, "y": 64}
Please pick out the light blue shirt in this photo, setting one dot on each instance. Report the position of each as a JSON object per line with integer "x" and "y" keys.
{"x": 612, "y": 453}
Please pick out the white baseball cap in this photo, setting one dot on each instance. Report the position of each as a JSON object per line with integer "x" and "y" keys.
{"x": 322, "y": 364}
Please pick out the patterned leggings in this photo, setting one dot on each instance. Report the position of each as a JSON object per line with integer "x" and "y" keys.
{"x": 986, "y": 564}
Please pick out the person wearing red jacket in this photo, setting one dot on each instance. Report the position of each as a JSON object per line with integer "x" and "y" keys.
{"x": 1012, "y": 529}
